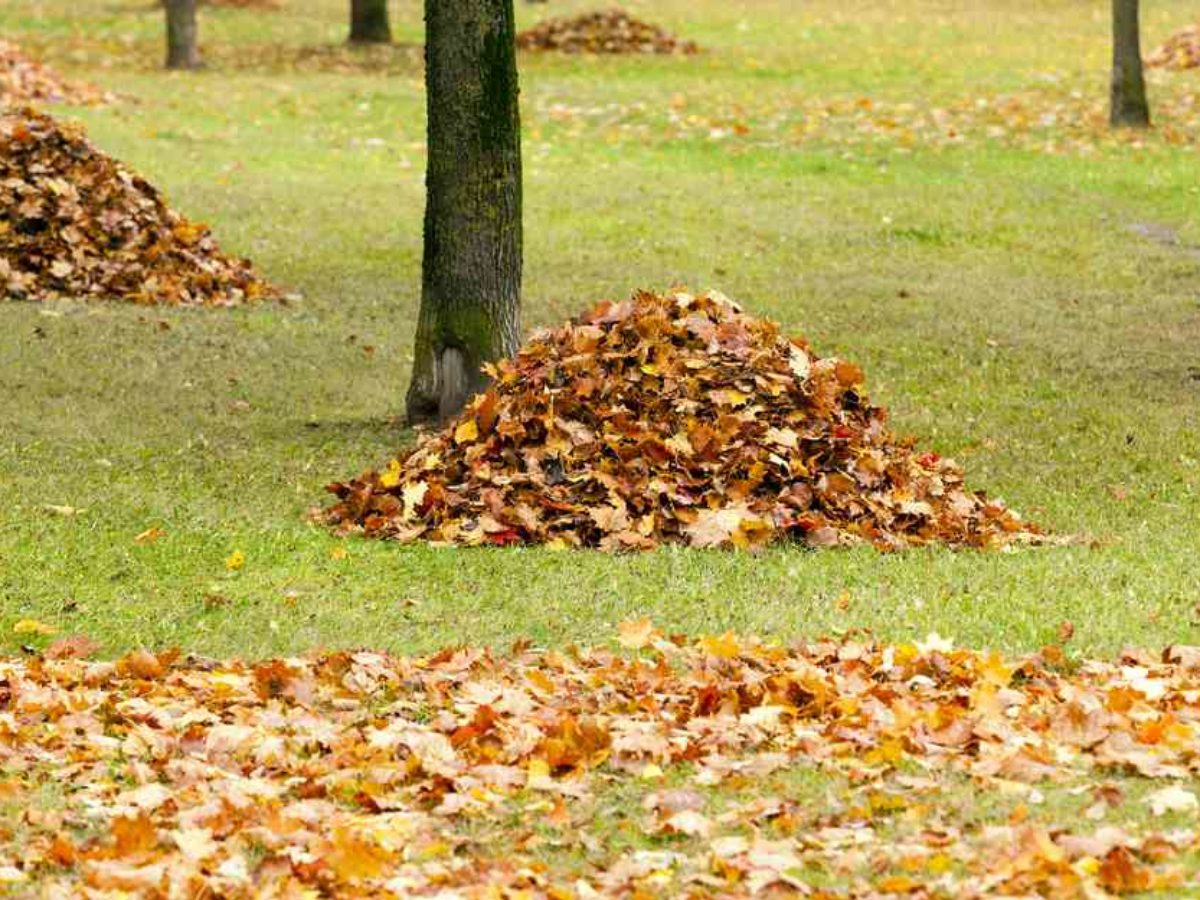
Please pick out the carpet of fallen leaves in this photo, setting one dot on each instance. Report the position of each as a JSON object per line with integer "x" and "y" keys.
{"x": 24, "y": 80}
{"x": 611, "y": 31}
{"x": 76, "y": 223}
{"x": 672, "y": 419}
{"x": 1180, "y": 51}
{"x": 358, "y": 774}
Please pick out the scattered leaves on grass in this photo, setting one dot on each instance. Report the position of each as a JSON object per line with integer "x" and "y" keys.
{"x": 672, "y": 419}
{"x": 609, "y": 31}
{"x": 76, "y": 223}
{"x": 1057, "y": 117}
{"x": 150, "y": 536}
{"x": 24, "y": 80}
{"x": 1180, "y": 51}
{"x": 357, "y": 774}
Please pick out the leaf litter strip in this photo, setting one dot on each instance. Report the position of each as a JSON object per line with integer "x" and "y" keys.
{"x": 358, "y": 774}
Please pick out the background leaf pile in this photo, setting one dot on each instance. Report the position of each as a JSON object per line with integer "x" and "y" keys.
{"x": 76, "y": 223}
{"x": 672, "y": 419}
{"x": 607, "y": 31}
{"x": 24, "y": 80}
{"x": 357, "y": 774}
{"x": 1180, "y": 51}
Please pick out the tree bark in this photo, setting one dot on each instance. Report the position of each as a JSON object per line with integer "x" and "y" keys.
{"x": 369, "y": 22}
{"x": 182, "y": 52}
{"x": 1129, "y": 107}
{"x": 471, "y": 273}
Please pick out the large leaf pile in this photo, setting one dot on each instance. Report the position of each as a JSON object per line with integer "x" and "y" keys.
{"x": 76, "y": 223}
{"x": 672, "y": 419}
{"x": 467, "y": 775}
{"x": 1180, "y": 51}
{"x": 24, "y": 80}
{"x": 606, "y": 31}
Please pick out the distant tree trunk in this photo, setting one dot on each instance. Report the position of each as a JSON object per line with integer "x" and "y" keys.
{"x": 1129, "y": 106}
{"x": 471, "y": 278}
{"x": 181, "y": 35}
{"x": 369, "y": 22}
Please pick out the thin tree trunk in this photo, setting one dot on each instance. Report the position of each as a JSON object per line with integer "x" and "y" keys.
{"x": 471, "y": 278}
{"x": 369, "y": 22}
{"x": 1129, "y": 106}
{"x": 181, "y": 35}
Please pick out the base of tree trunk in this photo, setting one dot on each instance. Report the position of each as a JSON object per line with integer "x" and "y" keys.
{"x": 439, "y": 393}
{"x": 369, "y": 23}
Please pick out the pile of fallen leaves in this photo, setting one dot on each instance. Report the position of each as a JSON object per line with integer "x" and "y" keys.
{"x": 672, "y": 419}
{"x": 607, "y": 31}
{"x": 76, "y": 223}
{"x": 464, "y": 774}
{"x": 1180, "y": 51}
{"x": 24, "y": 80}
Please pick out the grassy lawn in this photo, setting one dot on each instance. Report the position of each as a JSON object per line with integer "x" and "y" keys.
{"x": 922, "y": 186}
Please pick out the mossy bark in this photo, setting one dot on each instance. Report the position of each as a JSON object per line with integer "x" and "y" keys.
{"x": 471, "y": 274}
{"x": 369, "y": 22}
{"x": 182, "y": 51}
{"x": 1129, "y": 107}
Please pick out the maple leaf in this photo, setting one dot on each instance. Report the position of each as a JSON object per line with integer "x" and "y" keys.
{"x": 636, "y": 633}
{"x": 75, "y": 646}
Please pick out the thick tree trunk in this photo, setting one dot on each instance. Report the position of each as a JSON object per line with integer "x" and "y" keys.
{"x": 471, "y": 284}
{"x": 1129, "y": 107}
{"x": 369, "y": 22}
{"x": 181, "y": 35}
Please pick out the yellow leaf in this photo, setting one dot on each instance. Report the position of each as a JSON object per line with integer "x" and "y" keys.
{"x": 391, "y": 478}
{"x": 236, "y": 560}
{"x": 539, "y": 775}
{"x": 723, "y": 647}
{"x": 651, "y": 772}
{"x": 466, "y": 432}
{"x": 338, "y": 552}
{"x": 33, "y": 626}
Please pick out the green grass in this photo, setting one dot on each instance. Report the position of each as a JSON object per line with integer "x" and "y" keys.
{"x": 995, "y": 295}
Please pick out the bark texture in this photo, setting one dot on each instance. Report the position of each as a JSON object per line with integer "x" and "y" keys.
{"x": 369, "y": 22}
{"x": 471, "y": 274}
{"x": 182, "y": 52}
{"x": 1129, "y": 107}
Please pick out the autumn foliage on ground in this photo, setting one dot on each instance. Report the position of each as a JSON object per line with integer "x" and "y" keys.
{"x": 672, "y": 419}
{"x": 466, "y": 774}
{"x": 25, "y": 80}
{"x": 76, "y": 223}
{"x": 1180, "y": 51}
{"x": 611, "y": 31}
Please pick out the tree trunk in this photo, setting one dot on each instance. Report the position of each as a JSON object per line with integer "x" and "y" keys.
{"x": 1129, "y": 106}
{"x": 369, "y": 22}
{"x": 181, "y": 35}
{"x": 471, "y": 274}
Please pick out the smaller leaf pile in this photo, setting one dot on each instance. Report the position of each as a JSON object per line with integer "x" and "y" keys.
{"x": 457, "y": 775}
{"x": 611, "y": 31}
{"x": 672, "y": 419}
{"x": 24, "y": 80}
{"x": 1180, "y": 51}
{"x": 76, "y": 223}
